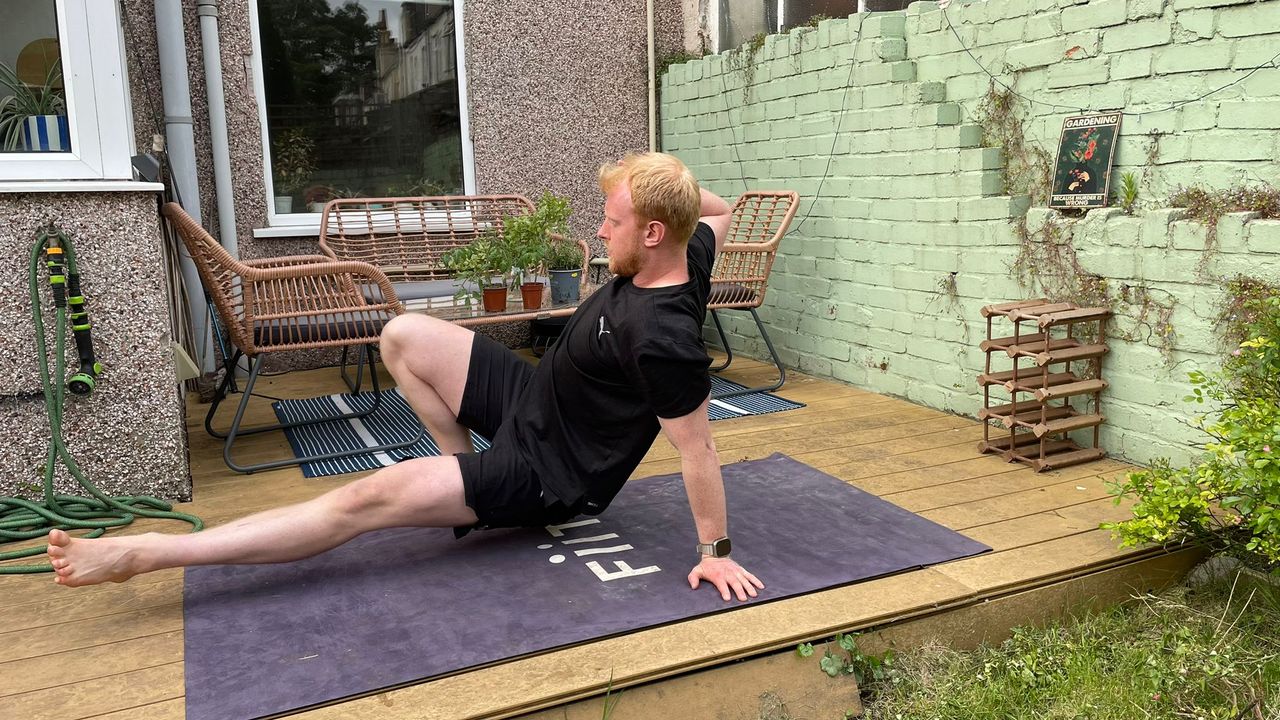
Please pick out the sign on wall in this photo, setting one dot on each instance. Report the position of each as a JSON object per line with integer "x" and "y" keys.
{"x": 1082, "y": 174}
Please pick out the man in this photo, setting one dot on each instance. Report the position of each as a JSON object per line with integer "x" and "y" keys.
{"x": 565, "y": 436}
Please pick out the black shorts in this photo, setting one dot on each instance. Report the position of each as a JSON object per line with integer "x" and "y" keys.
{"x": 499, "y": 485}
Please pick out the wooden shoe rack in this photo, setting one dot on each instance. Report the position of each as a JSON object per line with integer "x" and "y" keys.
{"x": 1053, "y": 388}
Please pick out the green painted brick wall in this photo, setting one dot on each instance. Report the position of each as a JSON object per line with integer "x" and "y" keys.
{"x": 911, "y": 198}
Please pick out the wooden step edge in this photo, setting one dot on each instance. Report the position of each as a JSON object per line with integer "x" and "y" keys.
{"x": 1082, "y": 387}
{"x": 1075, "y": 422}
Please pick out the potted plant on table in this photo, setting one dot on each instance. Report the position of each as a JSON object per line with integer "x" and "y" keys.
{"x": 34, "y": 117}
{"x": 292, "y": 164}
{"x": 527, "y": 238}
{"x": 477, "y": 264}
{"x": 564, "y": 266}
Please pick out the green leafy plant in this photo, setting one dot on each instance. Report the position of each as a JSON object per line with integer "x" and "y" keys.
{"x": 1229, "y": 497}
{"x": 563, "y": 254}
{"x": 526, "y": 238}
{"x": 852, "y": 661}
{"x": 476, "y": 264}
{"x": 293, "y": 161}
{"x": 24, "y": 101}
{"x": 1128, "y": 192}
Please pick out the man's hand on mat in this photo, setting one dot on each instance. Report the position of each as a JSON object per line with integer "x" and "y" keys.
{"x": 725, "y": 574}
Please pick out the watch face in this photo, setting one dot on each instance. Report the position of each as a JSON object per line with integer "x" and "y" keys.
{"x": 720, "y": 548}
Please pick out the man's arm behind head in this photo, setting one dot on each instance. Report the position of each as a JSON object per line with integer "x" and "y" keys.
{"x": 715, "y": 212}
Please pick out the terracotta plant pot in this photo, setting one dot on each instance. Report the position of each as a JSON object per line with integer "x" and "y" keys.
{"x": 531, "y": 293}
{"x": 495, "y": 298}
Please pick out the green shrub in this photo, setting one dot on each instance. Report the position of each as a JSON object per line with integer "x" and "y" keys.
{"x": 1229, "y": 498}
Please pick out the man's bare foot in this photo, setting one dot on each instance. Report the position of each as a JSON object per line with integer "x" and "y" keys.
{"x": 78, "y": 561}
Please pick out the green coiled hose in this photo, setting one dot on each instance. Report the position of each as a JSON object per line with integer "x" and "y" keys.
{"x": 26, "y": 520}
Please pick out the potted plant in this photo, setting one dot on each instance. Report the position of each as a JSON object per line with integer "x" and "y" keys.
{"x": 527, "y": 238}
{"x": 477, "y": 264}
{"x": 317, "y": 196}
{"x": 34, "y": 118}
{"x": 564, "y": 266}
{"x": 292, "y": 164}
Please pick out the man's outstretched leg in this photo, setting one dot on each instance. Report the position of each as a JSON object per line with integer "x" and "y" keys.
{"x": 424, "y": 492}
{"x": 429, "y": 358}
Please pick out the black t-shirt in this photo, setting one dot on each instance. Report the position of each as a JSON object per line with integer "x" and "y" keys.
{"x": 628, "y": 356}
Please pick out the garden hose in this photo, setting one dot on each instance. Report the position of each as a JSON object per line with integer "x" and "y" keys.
{"x": 23, "y": 519}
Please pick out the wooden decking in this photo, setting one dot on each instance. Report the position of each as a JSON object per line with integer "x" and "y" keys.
{"x": 117, "y": 651}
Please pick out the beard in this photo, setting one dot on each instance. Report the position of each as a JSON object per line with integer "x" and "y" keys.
{"x": 627, "y": 265}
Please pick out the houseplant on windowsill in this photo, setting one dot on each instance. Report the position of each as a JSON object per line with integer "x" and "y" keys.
{"x": 476, "y": 265}
{"x": 527, "y": 238}
{"x": 292, "y": 164}
{"x": 34, "y": 118}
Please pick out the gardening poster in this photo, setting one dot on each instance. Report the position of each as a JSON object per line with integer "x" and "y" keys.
{"x": 1082, "y": 174}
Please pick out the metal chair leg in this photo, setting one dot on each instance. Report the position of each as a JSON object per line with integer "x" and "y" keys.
{"x": 724, "y": 343}
{"x": 355, "y": 385}
{"x": 782, "y": 372}
{"x": 235, "y": 431}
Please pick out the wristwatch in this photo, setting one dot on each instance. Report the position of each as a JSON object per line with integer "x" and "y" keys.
{"x": 716, "y": 548}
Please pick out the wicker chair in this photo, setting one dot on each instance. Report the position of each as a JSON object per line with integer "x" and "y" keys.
{"x": 281, "y": 304}
{"x": 405, "y": 238}
{"x": 741, "y": 273}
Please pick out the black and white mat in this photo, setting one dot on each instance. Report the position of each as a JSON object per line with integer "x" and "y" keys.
{"x": 395, "y": 421}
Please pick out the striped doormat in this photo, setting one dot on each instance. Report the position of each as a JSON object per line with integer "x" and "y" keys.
{"x": 395, "y": 420}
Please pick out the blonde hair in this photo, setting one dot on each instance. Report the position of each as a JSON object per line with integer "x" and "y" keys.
{"x": 662, "y": 189}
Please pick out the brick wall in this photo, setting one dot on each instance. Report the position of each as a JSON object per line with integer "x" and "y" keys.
{"x": 905, "y": 197}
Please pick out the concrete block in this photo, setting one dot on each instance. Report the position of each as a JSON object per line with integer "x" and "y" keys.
{"x": 884, "y": 25}
{"x": 1092, "y": 71}
{"x": 992, "y": 208}
{"x": 890, "y": 49}
{"x": 926, "y": 92}
{"x": 1250, "y": 19}
{"x": 1035, "y": 54}
{"x": 1192, "y": 58}
{"x": 1139, "y": 9}
{"x": 960, "y": 136}
{"x": 1195, "y": 25}
{"x": 1188, "y": 235}
{"x": 1264, "y": 237}
{"x": 1180, "y": 5}
{"x": 1041, "y": 26}
{"x": 1099, "y": 13}
{"x": 884, "y": 95}
{"x": 938, "y": 114}
{"x": 1131, "y": 64}
{"x": 1147, "y": 33}
{"x": 1155, "y": 226}
{"x": 982, "y": 159}
{"x": 983, "y": 183}
{"x": 1249, "y": 114}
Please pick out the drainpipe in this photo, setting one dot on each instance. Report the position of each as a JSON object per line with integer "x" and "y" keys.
{"x": 181, "y": 147}
{"x": 653, "y": 82}
{"x": 212, "y": 50}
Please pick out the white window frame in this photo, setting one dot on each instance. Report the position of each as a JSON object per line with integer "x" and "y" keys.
{"x": 308, "y": 223}
{"x": 97, "y": 102}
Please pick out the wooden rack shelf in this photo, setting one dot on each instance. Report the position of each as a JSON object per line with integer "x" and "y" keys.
{"x": 1033, "y": 424}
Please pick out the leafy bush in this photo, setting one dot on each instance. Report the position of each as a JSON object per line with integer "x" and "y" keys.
{"x": 1229, "y": 498}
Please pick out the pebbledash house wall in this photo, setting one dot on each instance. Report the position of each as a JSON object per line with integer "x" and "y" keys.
{"x": 911, "y": 197}
{"x": 556, "y": 89}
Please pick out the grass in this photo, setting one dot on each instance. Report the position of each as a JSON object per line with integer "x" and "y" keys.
{"x": 1211, "y": 653}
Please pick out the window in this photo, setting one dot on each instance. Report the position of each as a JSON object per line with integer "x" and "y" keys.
{"x": 63, "y": 99}
{"x": 361, "y": 98}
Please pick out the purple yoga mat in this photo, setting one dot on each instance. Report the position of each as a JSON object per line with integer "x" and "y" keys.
{"x": 404, "y": 605}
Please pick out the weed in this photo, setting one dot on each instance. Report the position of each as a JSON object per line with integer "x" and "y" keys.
{"x": 1207, "y": 206}
{"x": 744, "y": 60}
{"x": 1028, "y": 168}
{"x": 1207, "y": 653}
{"x": 1128, "y": 192}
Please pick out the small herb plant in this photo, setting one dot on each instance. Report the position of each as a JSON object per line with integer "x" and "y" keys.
{"x": 24, "y": 101}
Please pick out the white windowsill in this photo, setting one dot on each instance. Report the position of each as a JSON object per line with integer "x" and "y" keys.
{"x": 76, "y": 186}
{"x": 288, "y": 231}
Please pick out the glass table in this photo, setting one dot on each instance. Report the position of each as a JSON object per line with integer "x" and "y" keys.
{"x": 469, "y": 314}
